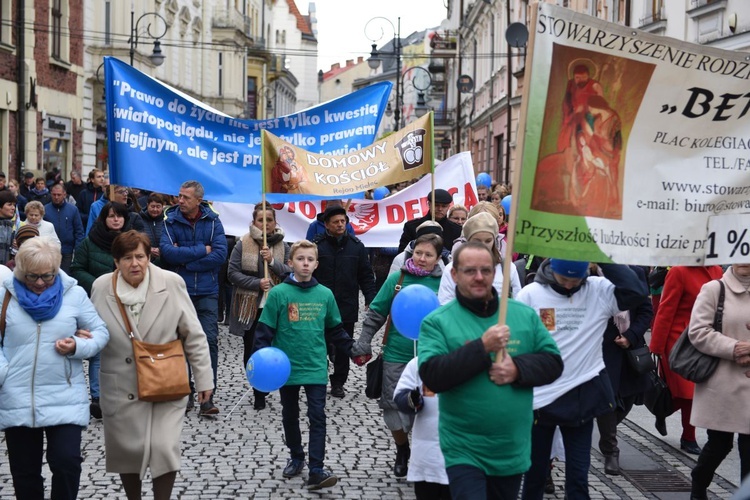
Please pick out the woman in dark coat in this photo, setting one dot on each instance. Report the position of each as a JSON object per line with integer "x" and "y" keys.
{"x": 625, "y": 331}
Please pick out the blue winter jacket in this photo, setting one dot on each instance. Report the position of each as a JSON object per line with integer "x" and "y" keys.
{"x": 38, "y": 386}
{"x": 183, "y": 249}
{"x": 67, "y": 222}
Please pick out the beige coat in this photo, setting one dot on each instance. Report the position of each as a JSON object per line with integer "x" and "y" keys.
{"x": 138, "y": 434}
{"x": 722, "y": 403}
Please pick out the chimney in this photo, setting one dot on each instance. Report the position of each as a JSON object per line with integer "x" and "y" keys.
{"x": 335, "y": 66}
{"x": 349, "y": 62}
{"x": 360, "y": 59}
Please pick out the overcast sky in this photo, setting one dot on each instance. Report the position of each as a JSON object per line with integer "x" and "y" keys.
{"x": 341, "y": 24}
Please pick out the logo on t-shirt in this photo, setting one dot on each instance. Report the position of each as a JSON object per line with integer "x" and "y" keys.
{"x": 547, "y": 316}
{"x": 292, "y": 311}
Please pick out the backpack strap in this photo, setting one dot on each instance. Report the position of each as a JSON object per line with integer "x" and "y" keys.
{"x": 6, "y": 301}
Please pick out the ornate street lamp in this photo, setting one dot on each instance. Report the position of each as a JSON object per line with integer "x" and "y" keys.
{"x": 157, "y": 56}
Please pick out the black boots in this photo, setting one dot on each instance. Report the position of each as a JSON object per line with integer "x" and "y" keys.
{"x": 612, "y": 464}
{"x": 401, "y": 467}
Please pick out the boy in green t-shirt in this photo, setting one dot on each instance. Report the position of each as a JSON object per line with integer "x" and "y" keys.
{"x": 300, "y": 316}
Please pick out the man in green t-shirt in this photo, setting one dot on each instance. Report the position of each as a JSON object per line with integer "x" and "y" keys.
{"x": 299, "y": 316}
{"x": 484, "y": 374}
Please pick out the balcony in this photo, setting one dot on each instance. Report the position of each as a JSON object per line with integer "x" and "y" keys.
{"x": 230, "y": 19}
{"x": 443, "y": 118}
{"x": 444, "y": 43}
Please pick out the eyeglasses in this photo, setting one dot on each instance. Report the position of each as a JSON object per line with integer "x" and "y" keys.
{"x": 47, "y": 278}
{"x": 121, "y": 191}
{"x": 471, "y": 271}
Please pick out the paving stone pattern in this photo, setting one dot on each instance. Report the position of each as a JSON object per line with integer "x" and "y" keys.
{"x": 241, "y": 455}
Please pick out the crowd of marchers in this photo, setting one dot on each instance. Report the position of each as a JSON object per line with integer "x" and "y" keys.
{"x": 88, "y": 270}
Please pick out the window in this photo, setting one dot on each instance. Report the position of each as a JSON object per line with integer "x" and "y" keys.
{"x": 6, "y": 22}
{"x": 108, "y": 22}
{"x": 59, "y": 42}
{"x": 221, "y": 75}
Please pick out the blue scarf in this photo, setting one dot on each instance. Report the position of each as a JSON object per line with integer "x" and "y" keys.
{"x": 40, "y": 307}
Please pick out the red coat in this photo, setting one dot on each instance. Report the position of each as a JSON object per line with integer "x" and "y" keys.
{"x": 680, "y": 291}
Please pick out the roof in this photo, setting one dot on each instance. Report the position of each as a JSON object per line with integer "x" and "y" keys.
{"x": 303, "y": 22}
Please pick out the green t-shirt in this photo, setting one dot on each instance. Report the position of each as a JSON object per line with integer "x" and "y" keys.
{"x": 399, "y": 349}
{"x": 300, "y": 317}
{"x": 483, "y": 424}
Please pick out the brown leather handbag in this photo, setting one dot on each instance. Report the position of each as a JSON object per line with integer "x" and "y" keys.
{"x": 160, "y": 368}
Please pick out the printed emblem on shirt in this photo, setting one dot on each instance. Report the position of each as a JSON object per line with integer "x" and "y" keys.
{"x": 293, "y": 312}
{"x": 547, "y": 316}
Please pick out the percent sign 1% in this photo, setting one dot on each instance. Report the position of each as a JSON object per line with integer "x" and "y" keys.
{"x": 738, "y": 243}
{"x": 728, "y": 241}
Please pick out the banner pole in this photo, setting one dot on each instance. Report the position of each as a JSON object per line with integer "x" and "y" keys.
{"x": 516, "y": 185}
{"x": 263, "y": 202}
{"x": 432, "y": 165}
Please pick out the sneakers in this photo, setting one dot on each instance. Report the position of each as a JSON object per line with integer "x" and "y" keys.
{"x": 208, "y": 409}
{"x": 190, "y": 404}
{"x": 690, "y": 447}
{"x": 337, "y": 391}
{"x": 94, "y": 409}
{"x": 293, "y": 468}
{"x": 320, "y": 479}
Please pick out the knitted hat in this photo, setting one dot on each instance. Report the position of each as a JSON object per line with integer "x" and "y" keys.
{"x": 24, "y": 233}
{"x": 28, "y": 175}
{"x": 569, "y": 268}
{"x": 330, "y": 211}
{"x": 481, "y": 222}
{"x": 429, "y": 227}
{"x": 441, "y": 196}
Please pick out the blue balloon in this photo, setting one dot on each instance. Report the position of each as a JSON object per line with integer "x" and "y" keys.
{"x": 484, "y": 179}
{"x": 268, "y": 369}
{"x": 410, "y": 307}
{"x": 506, "y": 204}
{"x": 380, "y": 192}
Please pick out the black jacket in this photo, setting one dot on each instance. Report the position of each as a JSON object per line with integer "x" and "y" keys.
{"x": 344, "y": 268}
{"x": 85, "y": 199}
{"x": 625, "y": 381}
{"x": 451, "y": 231}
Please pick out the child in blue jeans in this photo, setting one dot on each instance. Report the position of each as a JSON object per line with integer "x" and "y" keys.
{"x": 299, "y": 316}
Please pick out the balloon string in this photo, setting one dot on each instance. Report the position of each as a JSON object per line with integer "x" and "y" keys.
{"x": 237, "y": 403}
{"x": 415, "y": 348}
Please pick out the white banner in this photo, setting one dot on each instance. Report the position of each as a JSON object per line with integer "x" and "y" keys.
{"x": 377, "y": 223}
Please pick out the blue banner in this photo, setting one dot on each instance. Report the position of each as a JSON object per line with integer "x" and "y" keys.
{"x": 160, "y": 138}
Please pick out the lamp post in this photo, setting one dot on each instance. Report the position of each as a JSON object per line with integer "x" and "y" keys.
{"x": 374, "y": 61}
{"x": 157, "y": 56}
{"x": 268, "y": 94}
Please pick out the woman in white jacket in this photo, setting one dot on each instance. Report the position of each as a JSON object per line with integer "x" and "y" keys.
{"x": 42, "y": 385}
{"x": 35, "y": 218}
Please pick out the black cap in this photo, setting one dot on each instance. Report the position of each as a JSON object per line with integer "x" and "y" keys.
{"x": 441, "y": 196}
{"x": 28, "y": 174}
{"x": 330, "y": 211}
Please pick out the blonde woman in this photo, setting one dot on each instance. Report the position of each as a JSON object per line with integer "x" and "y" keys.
{"x": 35, "y": 218}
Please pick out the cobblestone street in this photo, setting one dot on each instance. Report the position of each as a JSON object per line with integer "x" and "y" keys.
{"x": 240, "y": 455}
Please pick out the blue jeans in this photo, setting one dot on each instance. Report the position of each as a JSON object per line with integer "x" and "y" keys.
{"x": 94, "y": 364}
{"x": 316, "y": 414}
{"x": 577, "y": 442}
{"x": 207, "y": 307}
{"x": 468, "y": 483}
{"x": 25, "y": 452}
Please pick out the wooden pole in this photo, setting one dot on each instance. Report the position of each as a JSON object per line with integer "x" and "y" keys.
{"x": 516, "y": 182}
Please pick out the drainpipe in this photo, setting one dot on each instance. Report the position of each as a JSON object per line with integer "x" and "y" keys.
{"x": 21, "y": 100}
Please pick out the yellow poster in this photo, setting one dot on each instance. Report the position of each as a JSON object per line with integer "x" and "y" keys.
{"x": 402, "y": 156}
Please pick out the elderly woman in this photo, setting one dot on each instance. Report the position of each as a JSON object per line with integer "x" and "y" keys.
{"x": 248, "y": 275}
{"x": 42, "y": 387}
{"x": 481, "y": 227}
{"x": 35, "y": 218}
{"x": 720, "y": 403}
{"x": 140, "y": 434}
{"x": 421, "y": 268}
